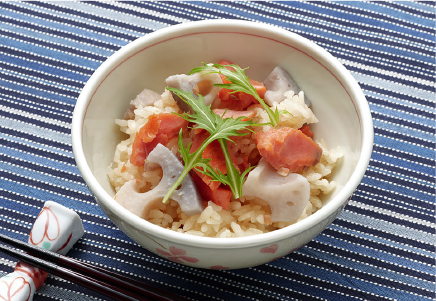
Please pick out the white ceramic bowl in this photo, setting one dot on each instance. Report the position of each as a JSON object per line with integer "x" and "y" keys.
{"x": 337, "y": 100}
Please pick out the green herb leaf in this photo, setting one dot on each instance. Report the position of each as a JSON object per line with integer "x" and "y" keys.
{"x": 218, "y": 128}
{"x": 240, "y": 83}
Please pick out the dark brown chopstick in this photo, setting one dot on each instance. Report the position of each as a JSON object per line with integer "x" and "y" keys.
{"x": 116, "y": 286}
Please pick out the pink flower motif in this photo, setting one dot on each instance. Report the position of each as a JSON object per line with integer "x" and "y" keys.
{"x": 271, "y": 249}
{"x": 177, "y": 255}
{"x": 218, "y": 267}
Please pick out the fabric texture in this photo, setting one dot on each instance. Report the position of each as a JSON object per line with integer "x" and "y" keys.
{"x": 381, "y": 247}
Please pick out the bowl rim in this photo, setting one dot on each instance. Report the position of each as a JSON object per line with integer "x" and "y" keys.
{"x": 334, "y": 205}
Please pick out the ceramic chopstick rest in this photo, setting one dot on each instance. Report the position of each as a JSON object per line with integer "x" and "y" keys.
{"x": 56, "y": 229}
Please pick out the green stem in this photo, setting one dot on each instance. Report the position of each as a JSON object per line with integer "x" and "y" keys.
{"x": 193, "y": 160}
{"x": 175, "y": 185}
{"x": 231, "y": 170}
{"x": 271, "y": 115}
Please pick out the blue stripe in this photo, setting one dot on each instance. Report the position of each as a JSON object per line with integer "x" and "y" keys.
{"x": 42, "y": 58}
{"x": 52, "y": 45}
{"x": 85, "y": 26}
{"x": 34, "y": 150}
{"x": 41, "y": 103}
{"x": 61, "y": 174}
{"x": 26, "y": 108}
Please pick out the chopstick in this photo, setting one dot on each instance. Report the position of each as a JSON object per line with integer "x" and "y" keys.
{"x": 108, "y": 283}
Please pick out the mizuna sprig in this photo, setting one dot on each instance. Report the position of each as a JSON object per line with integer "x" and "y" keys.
{"x": 219, "y": 129}
{"x": 239, "y": 83}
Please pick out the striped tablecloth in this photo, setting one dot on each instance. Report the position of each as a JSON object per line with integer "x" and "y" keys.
{"x": 381, "y": 247}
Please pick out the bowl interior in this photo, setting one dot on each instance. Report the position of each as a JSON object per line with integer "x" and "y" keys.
{"x": 148, "y": 61}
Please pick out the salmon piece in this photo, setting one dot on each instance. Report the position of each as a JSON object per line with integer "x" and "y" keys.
{"x": 224, "y": 78}
{"x": 225, "y": 62}
{"x": 235, "y": 114}
{"x": 259, "y": 86}
{"x": 170, "y": 124}
{"x": 220, "y": 196}
{"x": 200, "y": 136}
{"x": 146, "y": 134}
{"x": 240, "y": 100}
{"x": 306, "y": 131}
{"x": 159, "y": 128}
{"x": 214, "y": 152}
{"x": 288, "y": 149}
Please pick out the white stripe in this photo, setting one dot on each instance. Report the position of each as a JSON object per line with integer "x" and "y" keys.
{"x": 172, "y": 8}
{"x": 38, "y": 156}
{"x": 41, "y": 98}
{"x": 42, "y": 173}
{"x": 382, "y": 260}
{"x": 126, "y": 5}
{"x": 390, "y": 212}
{"x": 36, "y": 117}
{"x": 380, "y": 57}
{"x": 405, "y": 12}
{"x": 388, "y": 227}
{"x": 41, "y": 81}
{"x": 394, "y": 87}
{"x": 14, "y": 222}
{"x": 350, "y": 12}
{"x": 398, "y": 185}
{"x": 19, "y": 202}
{"x": 401, "y": 102}
{"x": 351, "y": 8}
{"x": 400, "y": 175}
{"x": 401, "y": 140}
{"x": 48, "y": 84}
{"x": 371, "y": 274}
{"x": 50, "y": 184}
{"x": 381, "y": 61}
{"x": 42, "y": 73}
{"x": 400, "y": 119}
{"x": 334, "y": 26}
{"x": 404, "y": 131}
{"x": 73, "y": 6}
{"x": 93, "y": 10}
{"x": 60, "y": 31}
{"x": 400, "y": 196}
{"x": 36, "y": 129}
{"x": 97, "y": 217}
{"x": 388, "y": 73}
{"x": 325, "y": 287}
{"x": 403, "y": 113}
{"x": 50, "y": 59}
{"x": 53, "y": 49}
{"x": 379, "y": 199}
{"x": 22, "y": 103}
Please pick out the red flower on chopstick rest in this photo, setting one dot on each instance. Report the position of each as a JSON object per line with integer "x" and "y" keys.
{"x": 38, "y": 276}
{"x": 177, "y": 255}
{"x": 45, "y": 226}
{"x": 18, "y": 289}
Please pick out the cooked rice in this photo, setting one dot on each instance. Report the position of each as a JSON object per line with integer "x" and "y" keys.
{"x": 245, "y": 216}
